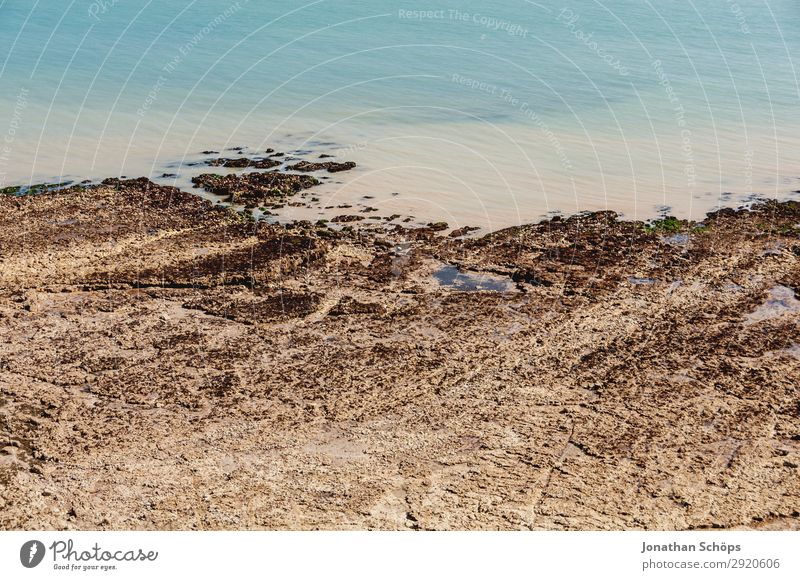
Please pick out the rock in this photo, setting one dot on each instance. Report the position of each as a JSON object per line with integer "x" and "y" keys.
{"x": 460, "y": 232}
{"x": 242, "y": 162}
{"x": 302, "y": 377}
{"x": 347, "y": 218}
{"x": 330, "y": 166}
{"x": 254, "y": 188}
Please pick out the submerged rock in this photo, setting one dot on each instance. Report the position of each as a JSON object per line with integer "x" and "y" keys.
{"x": 330, "y": 166}
{"x": 242, "y": 162}
{"x": 339, "y": 219}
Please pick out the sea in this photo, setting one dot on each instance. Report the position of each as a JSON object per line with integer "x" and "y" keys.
{"x": 477, "y": 113}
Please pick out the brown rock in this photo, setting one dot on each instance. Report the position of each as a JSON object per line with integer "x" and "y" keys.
{"x": 330, "y": 166}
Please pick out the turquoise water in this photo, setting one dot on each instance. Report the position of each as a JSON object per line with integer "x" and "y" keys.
{"x": 478, "y": 112}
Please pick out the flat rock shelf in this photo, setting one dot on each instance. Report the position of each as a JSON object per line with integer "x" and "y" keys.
{"x": 169, "y": 364}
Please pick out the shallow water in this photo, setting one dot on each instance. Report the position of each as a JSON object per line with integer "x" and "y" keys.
{"x": 781, "y": 301}
{"x": 485, "y": 114}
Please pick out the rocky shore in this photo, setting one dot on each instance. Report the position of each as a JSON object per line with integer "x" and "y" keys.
{"x": 167, "y": 363}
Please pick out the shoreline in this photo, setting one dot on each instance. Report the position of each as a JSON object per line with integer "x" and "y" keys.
{"x": 169, "y": 364}
{"x": 288, "y": 201}
{"x": 343, "y": 190}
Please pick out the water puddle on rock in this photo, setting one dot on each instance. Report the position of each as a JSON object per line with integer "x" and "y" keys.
{"x": 676, "y": 240}
{"x": 781, "y": 301}
{"x": 641, "y": 281}
{"x": 451, "y": 277}
{"x": 793, "y": 350}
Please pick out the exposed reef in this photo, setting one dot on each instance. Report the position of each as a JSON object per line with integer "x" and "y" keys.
{"x": 329, "y": 166}
{"x": 252, "y": 189}
{"x": 167, "y": 363}
{"x": 243, "y": 162}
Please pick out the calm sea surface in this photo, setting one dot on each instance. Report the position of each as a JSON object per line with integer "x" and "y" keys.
{"x": 486, "y": 113}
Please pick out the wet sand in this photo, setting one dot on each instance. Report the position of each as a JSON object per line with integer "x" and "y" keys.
{"x": 169, "y": 364}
